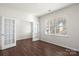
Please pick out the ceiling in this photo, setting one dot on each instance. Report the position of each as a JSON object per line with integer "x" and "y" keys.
{"x": 37, "y": 9}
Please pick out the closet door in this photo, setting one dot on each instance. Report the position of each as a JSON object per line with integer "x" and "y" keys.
{"x": 35, "y": 31}
{"x": 9, "y": 33}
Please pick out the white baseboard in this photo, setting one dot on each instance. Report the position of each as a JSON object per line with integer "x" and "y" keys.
{"x": 25, "y": 37}
{"x": 62, "y": 46}
{"x": 35, "y": 39}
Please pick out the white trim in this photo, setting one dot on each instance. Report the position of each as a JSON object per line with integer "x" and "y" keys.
{"x": 35, "y": 39}
{"x": 62, "y": 46}
{"x": 8, "y": 46}
{"x": 59, "y": 35}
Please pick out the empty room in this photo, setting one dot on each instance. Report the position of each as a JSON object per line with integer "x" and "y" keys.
{"x": 39, "y": 29}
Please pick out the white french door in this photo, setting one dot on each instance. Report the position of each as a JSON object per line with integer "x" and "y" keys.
{"x": 8, "y": 33}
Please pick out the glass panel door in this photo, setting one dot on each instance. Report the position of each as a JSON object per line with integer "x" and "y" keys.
{"x": 8, "y": 31}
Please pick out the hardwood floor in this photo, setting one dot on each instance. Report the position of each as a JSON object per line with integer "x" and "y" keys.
{"x": 38, "y": 48}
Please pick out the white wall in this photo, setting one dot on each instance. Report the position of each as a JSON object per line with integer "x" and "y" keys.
{"x": 71, "y": 14}
{"x": 24, "y": 30}
{"x": 21, "y": 19}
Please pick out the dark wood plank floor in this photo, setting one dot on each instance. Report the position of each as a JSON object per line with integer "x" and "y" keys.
{"x": 38, "y": 48}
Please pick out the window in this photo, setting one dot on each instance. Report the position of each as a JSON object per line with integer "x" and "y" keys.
{"x": 60, "y": 26}
{"x": 56, "y": 26}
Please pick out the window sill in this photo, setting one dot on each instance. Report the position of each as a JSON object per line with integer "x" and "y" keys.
{"x": 59, "y": 35}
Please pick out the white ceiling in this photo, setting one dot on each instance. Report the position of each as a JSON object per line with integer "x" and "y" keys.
{"x": 37, "y": 9}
